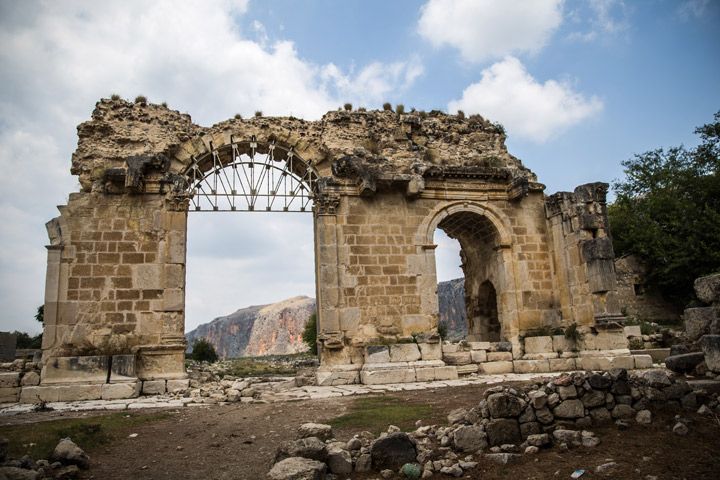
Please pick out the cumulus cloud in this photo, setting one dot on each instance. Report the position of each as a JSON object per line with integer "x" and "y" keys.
{"x": 483, "y": 29}
{"x": 57, "y": 58}
{"x": 600, "y": 19}
{"x": 527, "y": 108}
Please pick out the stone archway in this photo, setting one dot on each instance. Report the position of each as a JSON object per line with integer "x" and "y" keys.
{"x": 382, "y": 182}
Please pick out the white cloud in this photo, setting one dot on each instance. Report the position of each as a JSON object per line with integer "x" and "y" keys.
{"x": 58, "y": 58}
{"x": 483, "y": 29}
{"x": 603, "y": 19}
{"x": 693, "y": 9}
{"x": 527, "y": 108}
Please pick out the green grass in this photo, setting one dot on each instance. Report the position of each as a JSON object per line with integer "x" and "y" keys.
{"x": 376, "y": 413}
{"x": 39, "y": 439}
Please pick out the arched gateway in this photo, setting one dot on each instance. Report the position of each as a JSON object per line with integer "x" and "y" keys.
{"x": 378, "y": 185}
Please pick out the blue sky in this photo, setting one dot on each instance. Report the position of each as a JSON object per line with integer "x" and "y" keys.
{"x": 579, "y": 85}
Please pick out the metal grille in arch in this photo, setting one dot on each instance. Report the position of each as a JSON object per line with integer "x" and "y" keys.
{"x": 250, "y": 176}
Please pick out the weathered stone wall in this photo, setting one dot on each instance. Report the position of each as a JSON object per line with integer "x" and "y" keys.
{"x": 636, "y": 298}
{"x": 385, "y": 184}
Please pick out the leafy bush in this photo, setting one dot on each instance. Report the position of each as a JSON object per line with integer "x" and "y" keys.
{"x": 387, "y": 106}
{"x": 399, "y": 108}
{"x": 258, "y": 113}
{"x": 204, "y": 351}
{"x": 141, "y": 99}
{"x": 309, "y": 335}
{"x": 460, "y": 114}
{"x": 348, "y": 107}
{"x": 443, "y": 330}
{"x": 115, "y": 97}
{"x": 24, "y": 340}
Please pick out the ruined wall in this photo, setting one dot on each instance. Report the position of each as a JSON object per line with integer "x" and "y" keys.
{"x": 636, "y": 298}
{"x": 385, "y": 183}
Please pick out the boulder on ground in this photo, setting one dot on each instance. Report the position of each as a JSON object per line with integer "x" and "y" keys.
{"x": 319, "y": 430}
{"x": 392, "y": 451}
{"x": 570, "y": 409}
{"x": 310, "y": 447}
{"x": 701, "y": 321}
{"x": 68, "y": 453}
{"x": 470, "y": 438}
{"x": 15, "y": 473}
{"x": 684, "y": 363}
{"x": 501, "y": 431}
{"x": 297, "y": 468}
{"x": 504, "y": 405}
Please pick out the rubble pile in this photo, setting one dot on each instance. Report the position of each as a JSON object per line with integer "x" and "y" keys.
{"x": 64, "y": 463}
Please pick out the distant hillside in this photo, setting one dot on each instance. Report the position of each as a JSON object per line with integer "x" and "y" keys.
{"x": 276, "y": 329}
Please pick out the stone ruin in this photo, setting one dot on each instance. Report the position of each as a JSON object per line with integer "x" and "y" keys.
{"x": 378, "y": 184}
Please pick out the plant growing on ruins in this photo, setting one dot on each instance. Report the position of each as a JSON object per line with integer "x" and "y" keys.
{"x": 573, "y": 334}
{"x": 499, "y": 128}
{"x": 460, "y": 114}
{"x": 387, "y": 106}
{"x": 362, "y": 109}
{"x": 237, "y": 116}
{"x": 399, "y": 108}
{"x": 258, "y": 113}
{"x": 141, "y": 99}
{"x": 348, "y": 107}
{"x": 309, "y": 335}
{"x": 442, "y": 330}
{"x": 115, "y": 97}
{"x": 164, "y": 104}
{"x": 204, "y": 351}
{"x": 667, "y": 212}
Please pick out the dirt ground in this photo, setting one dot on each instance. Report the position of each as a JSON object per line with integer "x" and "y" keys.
{"x": 238, "y": 442}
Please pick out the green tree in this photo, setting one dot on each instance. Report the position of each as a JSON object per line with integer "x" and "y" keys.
{"x": 24, "y": 340}
{"x": 667, "y": 212}
{"x": 204, "y": 351}
{"x": 309, "y": 335}
{"x": 40, "y": 315}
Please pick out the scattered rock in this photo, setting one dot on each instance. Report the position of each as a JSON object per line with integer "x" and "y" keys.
{"x": 68, "y": 453}
{"x": 531, "y": 450}
{"x": 504, "y": 405}
{"x": 711, "y": 348}
{"x": 453, "y": 471}
{"x": 707, "y": 288}
{"x": 69, "y": 472}
{"x": 502, "y": 431}
{"x": 319, "y": 430}
{"x": 570, "y": 409}
{"x": 15, "y": 473}
{"x": 680, "y": 429}
{"x": 503, "y": 458}
{"x": 297, "y": 468}
{"x": 311, "y": 447}
{"x": 392, "y": 451}
{"x": 539, "y": 440}
{"x": 363, "y": 463}
{"x": 411, "y": 471}
{"x": 623, "y": 412}
{"x": 606, "y": 468}
{"x": 470, "y": 439}
{"x": 684, "y": 363}
{"x": 457, "y": 416}
{"x": 339, "y": 461}
{"x": 568, "y": 436}
{"x": 644, "y": 417}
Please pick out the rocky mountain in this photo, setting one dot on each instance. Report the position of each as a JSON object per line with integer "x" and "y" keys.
{"x": 451, "y": 302}
{"x": 276, "y": 329}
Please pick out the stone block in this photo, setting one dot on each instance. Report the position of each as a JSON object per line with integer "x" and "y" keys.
{"x": 430, "y": 351}
{"x": 531, "y": 366}
{"x": 707, "y": 288}
{"x": 643, "y": 361}
{"x": 30, "y": 379}
{"x": 86, "y": 369}
{"x": 10, "y": 379}
{"x": 425, "y": 374}
{"x": 478, "y": 356}
{"x": 381, "y": 376}
{"x": 9, "y": 394}
{"x": 562, "y": 344}
{"x": 8, "y": 342}
{"x": 499, "y": 356}
{"x": 457, "y": 358}
{"x": 61, "y": 393}
{"x": 404, "y": 352}
{"x": 154, "y": 387}
{"x": 711, "y": 348}
{"x": 446, "y": 373}
{"x": 605, "y": 340}
{"x": 467, "y": 369}
{"x": 562, "y": 364}
{"x": 539, "y": 356}
{"x": 177, "y": 385}
{"x": 450, "y": 348}
{"x": 479, "y": 345}
{"x": 377, "y": 354}
{"x": 340, "y": 375}
{"x": 658, "y": 355}
{"x": 542, "y": 344}
{"x": 701, "y": 321}
{"x": 607, "y": 363}
{"x": 494, "y": 368}
{"x": 633, "y": 331}
{"x": 117, "y": 391}
{"x": 122, "y": 368}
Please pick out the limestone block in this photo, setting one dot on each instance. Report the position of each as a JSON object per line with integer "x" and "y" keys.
{"x": 30, "y": 379}
{"x": 404, "y": 352}
{"x": 173, "y": 300}
{"x": 153, "y": 387}
{"x": 450, "y": 347}
{"x": 430, "y": 351}
{"x": 707, "y": 288}
{"x": 457, "y": 358}
{"x": 425, "y": 374}
{"x": 531, "y": 366}
{"x": 446, "y": 373}
{"x": 633, "y": 331}
{"x": 478, "y": 356}
{"x": 542, "y": 344}
{"x": 148, "y": 276}
{"x": 377, "y": 354}
{"x": 607, "y": 363}
{"x": 499, "y": 356}
{"x": 339, "y": 375}
{"x": 76, "y": 369}
{"x": 479, "y": 345}
{"x": 492, "y": 368}
{"x": 372, "y": 376}
{"x": 605, "y": 340}
{"x": 9, "y": 394}
{"x": 38, "y": 394}
{"x": 658, "y": 354}
{"x": 562, "y": 364}
{"x": 8, "y": 380}
{"x": 116, "y": 391}
{"x": 539, "y": 356}
{"x": 61, "y": 393}
{"x": 467, "y": 369}
{"x": 700, "y": 321}
{"x": 711, "y": 348}
{"x": 562, "y": 344}
{"x": 177, "y": 385}
{"x": 122, "y": 368}
{"x": 643, "y": 361}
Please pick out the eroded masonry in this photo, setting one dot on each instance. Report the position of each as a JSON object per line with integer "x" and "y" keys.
{"x": 378, "y": 185}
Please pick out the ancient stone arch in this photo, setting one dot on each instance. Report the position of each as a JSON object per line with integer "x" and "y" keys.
{"x": 382, "y": 182}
